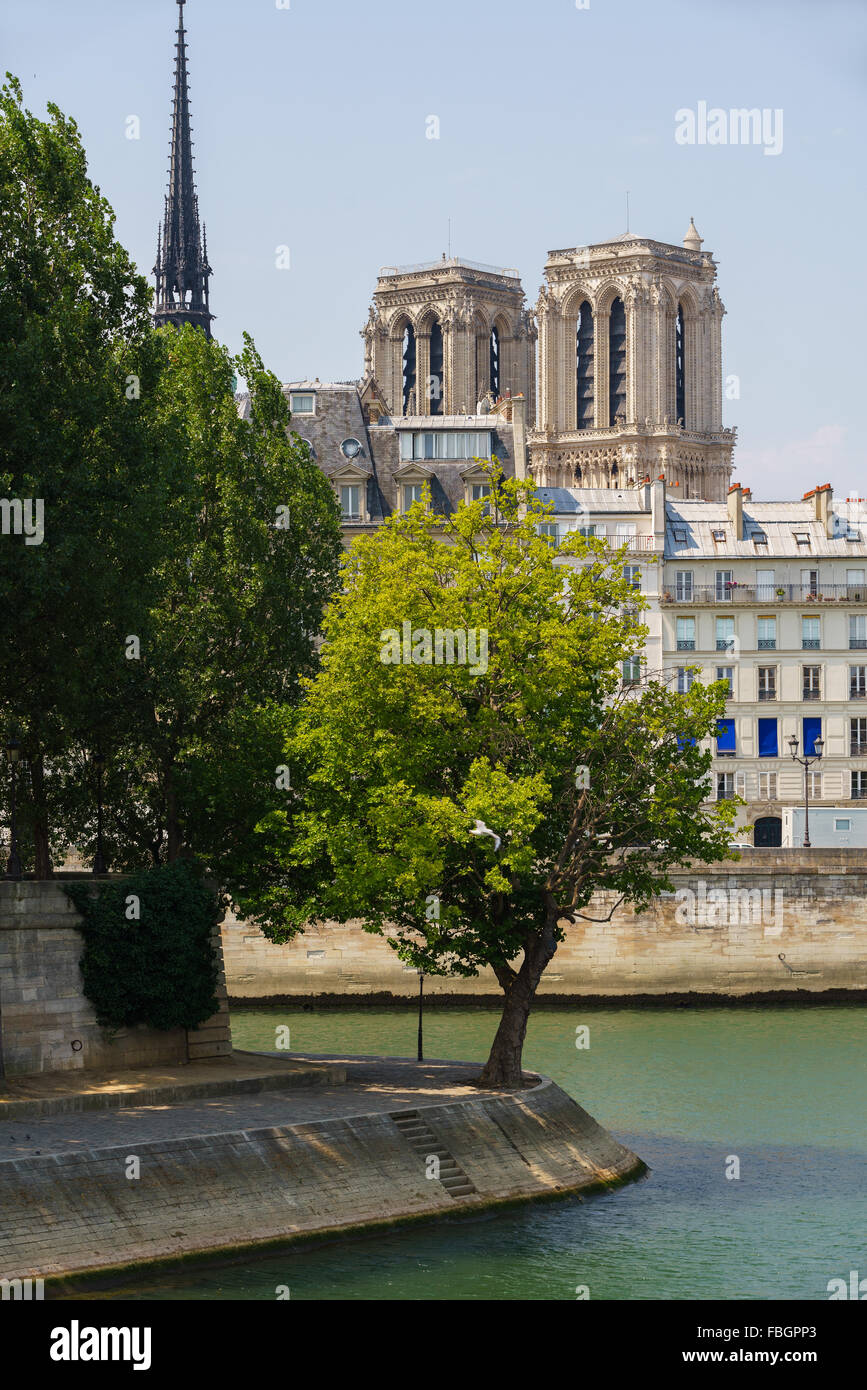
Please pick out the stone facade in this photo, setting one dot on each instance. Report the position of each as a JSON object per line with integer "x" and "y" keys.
{"x": 642, "y": 399}
{"x": 487, "y": 338}
{"x": 46, "y": 1022}
{"x": 805, "y": 931}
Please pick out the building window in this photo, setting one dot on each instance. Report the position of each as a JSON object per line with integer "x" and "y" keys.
{"x": 680, "y": 368}
{"x": 409, "y": 356}
{"x": 767, "y": 682}
{"x": 855, "y": 586}
{"x": 632, "y": 575}
{"x": 685, "y": 678}
{"x": 494, "y": 364}
{"x": 843, "y": 823}
{"x": 811, "y": 682}
{"x": 810, "y": 638}
{"x": 858, "y": 682}
{"x": 767, "y": 641}
{"x": 550, "y": 531}
{"x": 725, "y": 635}
{"x": 802, "y": 537}
{"x": 686, "y": 634}
{"x": 768, "y": 744}
{"x": 725, "y": 738}
{"x": 444, "y": 444}
{"x": 435, "y": 380}
{"x": 767, "y": 786}
{"x": 859, "y": 786}
{"x": 412, "y": 492}
{"x": 815, "y": 787}
{"x": 679, "y": 533}
{"x": 683, "y": 586}
{"x": 858, "y": 738}
{"x": 718, "y": 534}
{"x": 350, "y": 502}
{"x": 812, "y": 731}
{"x": 809, "y": 583}
{"x": 723, "y": 586}
{"x": 617, "y": 363}
{"x": 302, "y": 403}
{"x": 858, "y": 632}
{"x": 727, "y": 674}
{"x": 759, "y": 538}
{"x": 764, "y": 585}
{"x": 632, "y": 670}
{"x": 725, "y": 786}
{"x": 584, "y": 374}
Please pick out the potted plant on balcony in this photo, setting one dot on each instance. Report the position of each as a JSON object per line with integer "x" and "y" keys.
{"x": 781, "y": 593}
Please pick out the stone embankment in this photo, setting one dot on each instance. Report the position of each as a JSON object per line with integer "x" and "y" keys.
{"x": 791, "y": 923}
{"x": 398, "y": 1142}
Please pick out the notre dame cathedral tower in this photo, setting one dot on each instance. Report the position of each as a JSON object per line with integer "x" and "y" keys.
{"x": 630, "y": 369}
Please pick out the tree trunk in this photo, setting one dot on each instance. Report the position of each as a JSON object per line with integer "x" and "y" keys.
{"x": 42, "y": 854}
{"x": 503, "y": 1067}
{"x": 174, "y": 833}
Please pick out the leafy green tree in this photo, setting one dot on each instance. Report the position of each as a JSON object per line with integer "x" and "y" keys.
{"x": 249, "y": 554}
{"x": 401, "y": 766}
{"x": 78, "y": 360}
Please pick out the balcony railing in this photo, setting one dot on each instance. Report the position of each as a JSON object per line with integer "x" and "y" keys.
{"x": 767, "y": 694}
{"x": 810, "y": 694}
{"x": 767, "y": 593}
{"x": 858, "y": 748}
{"x": 859, "y": 794}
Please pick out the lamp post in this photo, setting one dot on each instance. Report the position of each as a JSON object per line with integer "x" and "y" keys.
{"x": 13, "y": 863}
{"x": 806, "y": 762}
{"x": 99, "y": 866}
{"x": 420, "y": 1053}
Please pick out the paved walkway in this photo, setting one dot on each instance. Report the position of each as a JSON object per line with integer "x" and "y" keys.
{"x": 373, "y": 1085}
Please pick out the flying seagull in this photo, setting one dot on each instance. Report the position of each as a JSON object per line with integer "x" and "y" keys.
{"x": 479, "y": 828}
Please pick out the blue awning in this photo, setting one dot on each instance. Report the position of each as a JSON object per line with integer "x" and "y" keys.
{"x": 725, "y": 736}
{"x": 768, "y": 747}
{"x": 812, "y": 731}
{"x": 685, "y": 741}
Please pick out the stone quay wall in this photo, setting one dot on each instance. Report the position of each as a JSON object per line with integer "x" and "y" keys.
{"x": 774, "y": 921}
{"x": 78, "y": 1212}
{"x": 46, "y": 1022}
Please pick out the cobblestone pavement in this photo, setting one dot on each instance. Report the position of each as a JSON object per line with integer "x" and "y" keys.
{"x": 373, "y": 1084}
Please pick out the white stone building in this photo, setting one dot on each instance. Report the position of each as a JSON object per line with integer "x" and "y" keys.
{"x": 770, "y": 597}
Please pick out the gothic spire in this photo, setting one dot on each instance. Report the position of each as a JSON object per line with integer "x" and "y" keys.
{"x": 182, "y": 271}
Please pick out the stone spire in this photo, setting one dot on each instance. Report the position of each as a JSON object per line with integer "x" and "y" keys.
{"x": 692, "y": 241}
{"x": 182, "y": 271}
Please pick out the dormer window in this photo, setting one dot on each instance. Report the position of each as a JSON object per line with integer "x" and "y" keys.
{"x": 680, "y": 535}
{"x": 802, "y": 537}
{"x": 759, "y": 538}
{"x": 718, "y": 534}
{"x": 302, "y": 403}
{"x": 350, "y": 448}
{"x": 412, "y": 492}
{"x": 350, "y": 502}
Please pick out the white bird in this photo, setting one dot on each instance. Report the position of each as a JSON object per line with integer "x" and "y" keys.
{"x": 479, "y": 828}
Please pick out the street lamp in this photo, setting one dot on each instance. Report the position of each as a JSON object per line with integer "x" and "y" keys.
{"x": 806, "y": 762}
{"x": 99, "y": 865}
{"x": 13, "y": 863}
{"x": 420, "y": 1052}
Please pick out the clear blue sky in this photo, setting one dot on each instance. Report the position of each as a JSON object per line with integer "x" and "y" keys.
{"x": 309, "y": 125}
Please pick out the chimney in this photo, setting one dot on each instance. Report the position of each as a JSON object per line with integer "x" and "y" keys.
{"x": 736, "y": 510}
{"x": 822, "y": 497}
{"x": 748, "y": 494}
{"x": 657, "y": 512}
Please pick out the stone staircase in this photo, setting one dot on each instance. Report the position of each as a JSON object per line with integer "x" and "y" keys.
{"x": 424, "y": 1141}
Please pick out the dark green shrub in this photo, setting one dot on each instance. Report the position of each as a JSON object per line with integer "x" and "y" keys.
{"x": 160, "y": 968}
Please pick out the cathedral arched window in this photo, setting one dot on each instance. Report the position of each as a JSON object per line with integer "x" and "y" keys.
{"x": 584, "y": 368}
{"x": 408, "y": 367}
{"x": 435, "y": 380}
{"x": 494, "y": 374}
{"x": 680, "y": 367}
{"x": 617, "y": 362}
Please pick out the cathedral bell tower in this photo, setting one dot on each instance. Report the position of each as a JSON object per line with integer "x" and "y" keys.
{"x": 444, "y": 336}
{"x": 630, "y": 369}
{"x": 182, "y": 271}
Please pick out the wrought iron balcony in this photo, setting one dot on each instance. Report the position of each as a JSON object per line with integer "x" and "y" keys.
{"x": 767, "y": 594}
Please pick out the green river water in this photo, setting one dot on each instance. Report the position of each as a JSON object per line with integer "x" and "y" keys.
{"x": 783, "y": 1089}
